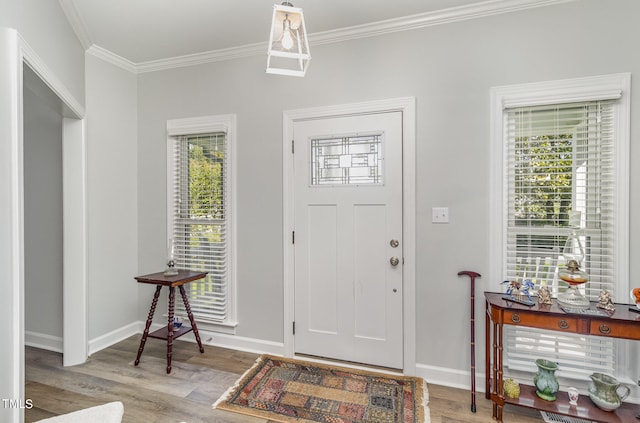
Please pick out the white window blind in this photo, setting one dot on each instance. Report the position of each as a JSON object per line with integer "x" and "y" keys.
{"x": 200, "y": 219}
{"x": 560, "y": 179}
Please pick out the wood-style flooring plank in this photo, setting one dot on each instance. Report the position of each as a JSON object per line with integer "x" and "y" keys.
{"x": 197, "y": 380}
{"x": 451, "y": 405}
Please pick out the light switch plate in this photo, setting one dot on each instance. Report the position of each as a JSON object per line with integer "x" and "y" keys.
{"x": 440, "y": 215}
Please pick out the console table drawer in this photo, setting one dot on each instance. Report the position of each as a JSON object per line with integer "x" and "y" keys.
{"x": 514, "y": 317}
{"x": 614, "y": 329}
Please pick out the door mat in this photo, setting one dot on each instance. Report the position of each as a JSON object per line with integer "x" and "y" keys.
{"x": 288, "y": 390}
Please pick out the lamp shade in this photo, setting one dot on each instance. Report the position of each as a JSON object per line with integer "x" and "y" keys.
{"x": 288, "y": 46}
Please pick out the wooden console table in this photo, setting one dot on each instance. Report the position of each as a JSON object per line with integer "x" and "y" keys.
{"x": 179, "y": 280}
{"x": 623, "y": 323}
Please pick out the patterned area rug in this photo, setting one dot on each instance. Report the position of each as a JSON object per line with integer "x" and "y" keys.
{"x": 287, "y": 390}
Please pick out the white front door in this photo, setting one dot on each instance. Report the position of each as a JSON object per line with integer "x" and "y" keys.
{"x": 348, "y": 238}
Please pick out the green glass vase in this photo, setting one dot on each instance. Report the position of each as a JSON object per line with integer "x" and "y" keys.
{"x": 545, "y": 380}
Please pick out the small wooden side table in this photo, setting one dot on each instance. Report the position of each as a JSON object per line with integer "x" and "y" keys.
{"x": 183, "y": 277}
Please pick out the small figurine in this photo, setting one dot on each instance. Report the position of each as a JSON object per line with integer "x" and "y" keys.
{"x": 511, "y": 388}
{"x": 635, "y": 296}
{"x": 516, "y": 291}
{"x": 527, "y": 285}
{"x": 544, "y": 296}
{"x": 605, "y": 301}
{"x": 512, "y": 286}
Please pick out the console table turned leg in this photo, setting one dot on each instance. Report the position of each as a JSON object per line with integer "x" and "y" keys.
{"x": 500, "y": 378}
{"x": 487, "y": 353}
{"x": 191, "y": 319}
{"x": 148, "y": 325}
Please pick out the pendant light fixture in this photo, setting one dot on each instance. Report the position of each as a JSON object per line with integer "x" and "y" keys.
{"x": 288, "y": 46}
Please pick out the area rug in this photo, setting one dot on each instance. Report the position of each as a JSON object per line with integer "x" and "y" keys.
{"x": 287, "y": 390}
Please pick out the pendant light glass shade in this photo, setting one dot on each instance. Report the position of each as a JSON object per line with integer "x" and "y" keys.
{"x": 288, "y": 46}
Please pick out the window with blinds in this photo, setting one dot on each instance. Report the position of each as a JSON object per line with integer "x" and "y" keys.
{"x": 560, "y": 193}
{"x": 560, "y": 181}
{"x": 199, "y": 219}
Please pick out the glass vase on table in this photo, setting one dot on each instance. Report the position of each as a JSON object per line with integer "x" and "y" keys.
{"x": 573, "y": 255}
{"x": 171, "y": 269}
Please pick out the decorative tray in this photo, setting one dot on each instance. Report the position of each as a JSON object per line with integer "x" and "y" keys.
{"x": 520, "y": 299}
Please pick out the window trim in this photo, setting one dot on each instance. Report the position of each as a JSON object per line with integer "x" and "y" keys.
{"x": 198, "y": 125}
{"x": 605, "y": 87}
{"x": 616, "y": 86}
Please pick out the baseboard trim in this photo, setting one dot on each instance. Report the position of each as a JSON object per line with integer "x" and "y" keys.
{"x": 234, "y": 342}
{"x": 452, "y": 378}
{"x": 43, "y": 341}
{"x": 222, "y": 340}
{"x": 114, "y": 337}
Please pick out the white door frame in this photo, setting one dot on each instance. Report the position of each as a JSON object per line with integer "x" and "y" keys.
{"x": 75, "y": 338}
{"x": 407, "y": 106}
{"x": 16, "y": 52}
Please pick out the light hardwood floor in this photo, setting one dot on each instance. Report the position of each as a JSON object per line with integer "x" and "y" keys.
{"x": 186, "y": 395}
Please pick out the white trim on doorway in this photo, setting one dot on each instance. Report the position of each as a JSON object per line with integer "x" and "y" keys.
{"x": 15, "y": 53}
{"x": 11, "y": 222}
{"x": 407, "y": 106}
{"x": 75, "y": 341}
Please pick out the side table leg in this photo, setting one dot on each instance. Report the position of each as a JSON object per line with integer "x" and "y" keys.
{"x": 172, "y": 297}
{"x": 191, "y": 319}
{"x": 148, "y": 325}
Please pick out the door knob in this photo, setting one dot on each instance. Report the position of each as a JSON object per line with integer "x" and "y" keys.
{"x": 394, "y": 261}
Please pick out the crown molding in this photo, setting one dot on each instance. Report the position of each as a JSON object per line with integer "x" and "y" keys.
{"x": 112, "y": 58}
{"x": 205, "y": 57}
{"x": 76, "y": 23}
{"x": 406, "y": 23}
{"x": 422, "y": 20}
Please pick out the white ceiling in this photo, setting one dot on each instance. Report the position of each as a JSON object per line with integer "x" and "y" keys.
{"x": 141, "y": 31}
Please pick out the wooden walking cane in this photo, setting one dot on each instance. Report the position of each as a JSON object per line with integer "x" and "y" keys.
{"x": 473, "y": 276}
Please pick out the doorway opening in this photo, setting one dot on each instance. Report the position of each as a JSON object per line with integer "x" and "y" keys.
{"x": 53, "y": 188}
{"x": 43, "y": 218}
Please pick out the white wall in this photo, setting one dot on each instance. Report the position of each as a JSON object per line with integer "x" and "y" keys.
{"x": 43, "y": 25}
{"x": 112, "y": 168}
{"x": 42, "y": 213}
{"x": 450, "y": 69}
